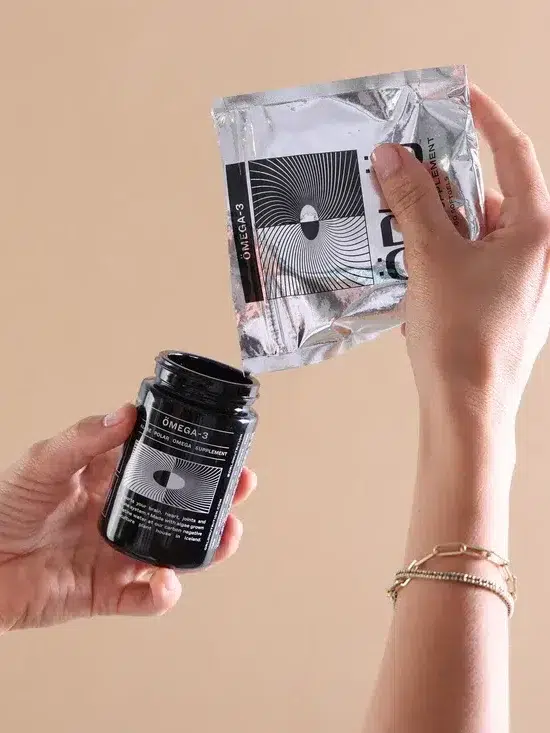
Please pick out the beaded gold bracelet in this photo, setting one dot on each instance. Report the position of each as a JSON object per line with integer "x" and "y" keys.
{"x": 415, "y": 571}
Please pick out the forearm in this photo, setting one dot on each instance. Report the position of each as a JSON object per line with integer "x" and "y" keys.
{"x": 446, "y": 662}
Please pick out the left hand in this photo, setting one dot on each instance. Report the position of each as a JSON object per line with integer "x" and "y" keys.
{"x": 54, "y": 565}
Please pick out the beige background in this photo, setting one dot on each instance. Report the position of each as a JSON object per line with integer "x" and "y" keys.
{"x": 112, "y": 229}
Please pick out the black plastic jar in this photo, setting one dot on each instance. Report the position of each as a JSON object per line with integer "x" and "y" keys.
{"x": 174, "y": 485}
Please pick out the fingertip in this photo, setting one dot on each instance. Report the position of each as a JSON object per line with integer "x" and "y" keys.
{"x": 248, "y": 483}
{"x": 474, "y": 88}
{"x": 153, "y": 597}
{"x": 166, "y": 590}
{"x": 239, "y": 528}
{"x": 231, "y": 539}
{"x": 249, "y": 477}
{"x": 233, "y": 530}
{"x": 387, "y": 160}
{"x": 477, "y": 97}
{"x": 122, "y": 415}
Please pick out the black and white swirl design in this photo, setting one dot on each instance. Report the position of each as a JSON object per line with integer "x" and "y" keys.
{"x": 310, "y": 219}
{"x": 172, "y": 481}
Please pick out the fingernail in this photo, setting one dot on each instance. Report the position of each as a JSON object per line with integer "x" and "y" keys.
{"x": 114, "y": 418}
{"x": 239, "y": 526}
{"x": 253, "y": 479}
{"x": 386, "y": 160}
{"x": 171, "y": 581}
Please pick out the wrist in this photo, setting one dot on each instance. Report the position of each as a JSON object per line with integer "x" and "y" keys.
{"x": 471, "y": 443}
{"x": 468, "y": 422}
{"x": 465, "y": 466}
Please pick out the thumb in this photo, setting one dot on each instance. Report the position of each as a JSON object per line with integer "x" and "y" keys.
{"x": 153, "y": 598}
{"x": 58, "y": 458}
{"x": 411, "y": 195}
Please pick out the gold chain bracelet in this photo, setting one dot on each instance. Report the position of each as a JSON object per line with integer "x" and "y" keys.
{"x": 416, "y": 571}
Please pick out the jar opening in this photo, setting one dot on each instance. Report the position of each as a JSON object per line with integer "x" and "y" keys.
{"x": 209, "y": 380}
{"x": 209, "y": 368}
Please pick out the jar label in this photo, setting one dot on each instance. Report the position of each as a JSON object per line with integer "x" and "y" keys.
{"x": 175, "y": 488}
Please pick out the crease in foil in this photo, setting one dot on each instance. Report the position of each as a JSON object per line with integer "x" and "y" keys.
{"x": 316, "y": 258}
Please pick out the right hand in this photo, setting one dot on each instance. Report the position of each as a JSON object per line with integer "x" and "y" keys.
{"x": 54, "y": 566}
{"x": 477, "y": 313}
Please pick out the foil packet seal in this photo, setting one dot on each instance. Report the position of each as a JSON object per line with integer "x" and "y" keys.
{"x": 316, "y": 258}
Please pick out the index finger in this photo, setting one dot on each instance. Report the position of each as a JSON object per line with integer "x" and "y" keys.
{"x": 518, "y": 170}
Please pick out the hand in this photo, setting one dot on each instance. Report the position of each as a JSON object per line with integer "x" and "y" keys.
{"x": 477, "y": 313}
{"x": 54, "y": 566}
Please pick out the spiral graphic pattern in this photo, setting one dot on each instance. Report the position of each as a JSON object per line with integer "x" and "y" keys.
{"x": 172, "y": 481}
{"x": 310, "y": 220}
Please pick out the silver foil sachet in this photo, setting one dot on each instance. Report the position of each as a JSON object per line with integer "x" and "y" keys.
{"x": 316, "y": 257}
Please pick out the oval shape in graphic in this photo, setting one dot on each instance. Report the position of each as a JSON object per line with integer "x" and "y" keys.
{"x": 169, "y": 480}
{"x": 309, "y": 221}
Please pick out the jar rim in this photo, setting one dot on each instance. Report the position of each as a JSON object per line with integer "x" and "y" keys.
{"x": 204, "y": 369}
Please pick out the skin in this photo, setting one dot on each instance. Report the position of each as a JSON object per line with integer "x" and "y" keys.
{"x": 54, "y": 566}
{"x": 477, "y": 317}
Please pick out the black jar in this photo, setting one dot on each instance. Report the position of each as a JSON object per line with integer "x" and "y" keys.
{"x": 174, "y": 485}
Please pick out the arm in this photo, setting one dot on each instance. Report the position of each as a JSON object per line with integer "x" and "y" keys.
{"x": 446, "y": 663}
{"x": 477, "y": 316}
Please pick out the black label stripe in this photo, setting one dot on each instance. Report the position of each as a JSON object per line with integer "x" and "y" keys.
{"x": 243, "y": 233}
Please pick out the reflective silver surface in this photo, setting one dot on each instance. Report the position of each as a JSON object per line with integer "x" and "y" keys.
{"x": 316, "y": 258}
